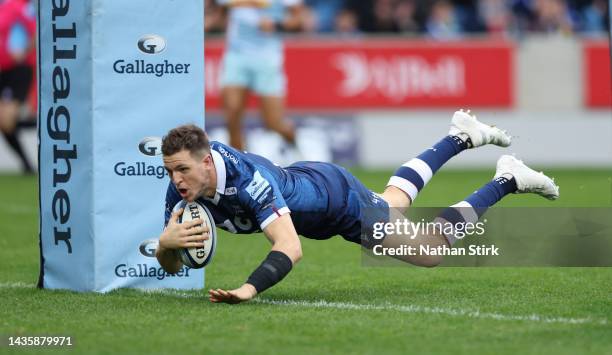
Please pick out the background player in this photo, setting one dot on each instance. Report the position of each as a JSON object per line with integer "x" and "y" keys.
{"x": 17, "y": 61}
{"x": 254, "y": 62}
{"x": 247, "y": 193}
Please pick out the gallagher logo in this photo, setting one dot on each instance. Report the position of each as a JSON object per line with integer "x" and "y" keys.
{"x": 151, "y": 44}
{"x": 148, "y": 247}
{"x": 150, "y": 146}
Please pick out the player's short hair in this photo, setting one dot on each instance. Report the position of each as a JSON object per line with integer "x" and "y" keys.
{"x": 189, "y": 137}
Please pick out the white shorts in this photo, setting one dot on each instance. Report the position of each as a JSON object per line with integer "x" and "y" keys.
{"x": 264, "y": 77}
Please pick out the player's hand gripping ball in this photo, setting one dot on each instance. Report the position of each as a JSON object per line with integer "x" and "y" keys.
{"x": 199, "y": 257}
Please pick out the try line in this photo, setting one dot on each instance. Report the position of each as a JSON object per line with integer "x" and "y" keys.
{"x": 322, "y": 304}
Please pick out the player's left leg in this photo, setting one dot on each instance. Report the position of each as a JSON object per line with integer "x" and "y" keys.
{"x": 465, "y": 132}
{"x": 511, "y": 176}
{"x": 235, "y": 83}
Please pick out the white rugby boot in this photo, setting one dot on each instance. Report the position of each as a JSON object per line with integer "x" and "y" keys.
{"x": 465, "y": 125}
{"x": 527, "y": 179}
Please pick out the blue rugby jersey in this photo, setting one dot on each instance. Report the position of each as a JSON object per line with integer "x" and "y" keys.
{"x": 324, "y": 199}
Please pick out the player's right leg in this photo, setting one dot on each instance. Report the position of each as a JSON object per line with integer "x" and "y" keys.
{"x": 511, "y": 176}
{"x": 234, "y": 82}
{"x": 465, "y": 132}
{"x": 234, "y": 102}
{"x": 273, "y": 115}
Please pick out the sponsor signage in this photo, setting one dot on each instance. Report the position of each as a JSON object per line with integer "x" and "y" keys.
{"x": 396, "y": 73}
{"x": 110, "y": 88}
{"x": 596, "y": 73}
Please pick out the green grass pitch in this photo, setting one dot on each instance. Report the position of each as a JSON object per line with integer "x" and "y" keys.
{"x": 329, "y": 303}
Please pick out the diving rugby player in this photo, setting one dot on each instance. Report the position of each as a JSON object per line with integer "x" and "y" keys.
{"x": 247, "y": 193}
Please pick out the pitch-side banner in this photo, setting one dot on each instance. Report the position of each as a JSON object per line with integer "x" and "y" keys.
{"x": 393, "y": 73}
{"x": 596, "y": 71}
{"x": 114, "y": 77}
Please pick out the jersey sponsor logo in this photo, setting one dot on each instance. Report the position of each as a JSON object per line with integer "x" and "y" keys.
{"x": 228, "y": 155}
{"x": 231, "y": 191}
{"x": 151, "y": 44}
{"x": 264, "y": 195}
{"x": 257, "y": 186}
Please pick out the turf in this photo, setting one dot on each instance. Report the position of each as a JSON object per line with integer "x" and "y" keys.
{"x": 440, "y": 310}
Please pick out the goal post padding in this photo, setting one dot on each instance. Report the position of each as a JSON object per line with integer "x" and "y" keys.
{"x": 114, "y": 77}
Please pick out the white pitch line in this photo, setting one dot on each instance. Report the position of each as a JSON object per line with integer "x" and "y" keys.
{"x": 16, "y": 285}
{"x": 374, "y": 307}
{"x": 18, "y": 209}
{"x": 401, "y": 308}
{"x": 433, "y": 310}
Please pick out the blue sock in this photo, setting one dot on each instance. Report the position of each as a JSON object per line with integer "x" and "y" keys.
{"x": 442, "y": 151}
{"x": 490, "y": 194}
{"x": 416, "y": 173}
{"x": 473, "y": 207}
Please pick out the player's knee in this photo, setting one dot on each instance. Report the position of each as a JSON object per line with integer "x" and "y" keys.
{"x": 296, "y": 254}
{"x": 292, "y": 248}
{"x": 396, "y": 198}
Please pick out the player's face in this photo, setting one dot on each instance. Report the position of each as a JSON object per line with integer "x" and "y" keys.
{"x": 192, "y": 175}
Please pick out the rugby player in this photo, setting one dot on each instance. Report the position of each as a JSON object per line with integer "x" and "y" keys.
{"x": 254, "y": 62}
{"x": 246, "y": 193}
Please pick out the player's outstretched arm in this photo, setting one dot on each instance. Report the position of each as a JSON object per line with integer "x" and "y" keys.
{"x": 286, "y": 252}
{"x": 284, "y": 238}
{"x": 179, "y": 235}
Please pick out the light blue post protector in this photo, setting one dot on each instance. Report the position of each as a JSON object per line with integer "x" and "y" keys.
{"x": 114, "y": 77}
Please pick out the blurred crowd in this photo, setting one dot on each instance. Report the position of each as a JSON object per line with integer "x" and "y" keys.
{"x": 445, "y": 19}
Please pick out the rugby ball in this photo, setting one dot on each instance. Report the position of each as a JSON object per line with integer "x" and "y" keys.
{"x": 197, "y": 258}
